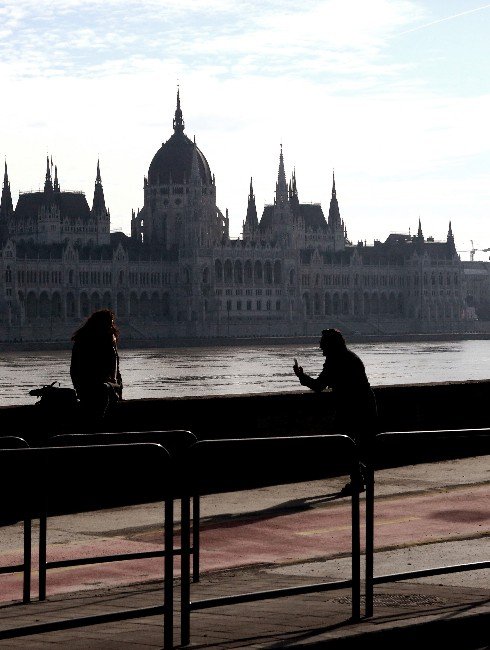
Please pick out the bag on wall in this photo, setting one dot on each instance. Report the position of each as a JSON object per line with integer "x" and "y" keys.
{"x": 55, "y": 397}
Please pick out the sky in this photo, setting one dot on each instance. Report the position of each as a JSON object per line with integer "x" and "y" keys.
{"x": 391, "y": 94}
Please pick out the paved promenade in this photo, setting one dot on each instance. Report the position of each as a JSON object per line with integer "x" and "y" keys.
{"x": 444, "y": 506}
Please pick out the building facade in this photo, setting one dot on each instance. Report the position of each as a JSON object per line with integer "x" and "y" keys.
{"x": 180, "y": 274}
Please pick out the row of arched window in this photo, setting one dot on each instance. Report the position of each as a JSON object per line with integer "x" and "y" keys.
{"x": 138, "y": 305}
{"x": 368, "y": 304}
{"x": 239, "y": 272}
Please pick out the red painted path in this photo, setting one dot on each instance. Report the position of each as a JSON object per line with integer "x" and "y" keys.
{"x": 319, "y": 532}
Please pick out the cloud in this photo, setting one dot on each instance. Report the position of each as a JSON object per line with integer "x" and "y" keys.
{"x": 244, "y": 38}
{"x": 87, "y": 79}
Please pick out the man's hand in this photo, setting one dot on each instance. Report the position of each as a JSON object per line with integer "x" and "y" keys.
{"x": 298, "y": 370}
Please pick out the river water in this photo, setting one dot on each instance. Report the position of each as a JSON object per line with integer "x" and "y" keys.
{"x": 254, "y": 369}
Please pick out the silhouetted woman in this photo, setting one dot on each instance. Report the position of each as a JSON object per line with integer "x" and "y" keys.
{"x": 354, "y": 401}
{"x": 94, "y": 366}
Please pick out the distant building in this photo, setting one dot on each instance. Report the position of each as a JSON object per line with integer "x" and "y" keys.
{"x": 293, "y": 271}
{"x": 477, "y": 282}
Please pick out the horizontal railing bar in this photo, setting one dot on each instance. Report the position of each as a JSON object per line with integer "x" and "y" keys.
{"x": 82, "y": 621}
{"x": 273, "y": 593}
{"x": 15, "y": 568}
{"x": 108, "y": 558}
{"x": 436, "y": 571}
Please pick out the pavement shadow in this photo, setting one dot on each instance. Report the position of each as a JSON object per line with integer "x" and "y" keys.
{"x": 293, "y": 506}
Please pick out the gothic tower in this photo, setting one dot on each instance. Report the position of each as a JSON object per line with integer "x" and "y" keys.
{"x": 6, "y": 207}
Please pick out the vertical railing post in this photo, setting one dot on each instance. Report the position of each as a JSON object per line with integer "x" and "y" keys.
{"x": 369, "y": 539}
{"x": 356, "y": 547}
{"x": 42, "y": 555}
{"x": 196, "y": 550}
{"x": 168, "y": 617}
{"x": 185, "y": 612}
{"x": 26, "y": 596}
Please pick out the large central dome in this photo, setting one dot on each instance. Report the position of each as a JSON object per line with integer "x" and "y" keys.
{"x": 172, "y": 163}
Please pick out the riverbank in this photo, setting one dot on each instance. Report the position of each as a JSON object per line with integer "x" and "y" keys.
{"x": 131, "y": 343}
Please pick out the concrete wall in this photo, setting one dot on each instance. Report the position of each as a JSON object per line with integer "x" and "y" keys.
{"x": 401, "y": 408}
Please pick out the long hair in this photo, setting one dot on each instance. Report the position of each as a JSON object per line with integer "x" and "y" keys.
{"x": 97, "y": 326}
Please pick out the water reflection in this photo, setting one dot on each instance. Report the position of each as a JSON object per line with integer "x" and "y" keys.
{"x": 254, "y": 369}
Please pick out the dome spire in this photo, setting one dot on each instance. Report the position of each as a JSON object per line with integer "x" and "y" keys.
{"x": 178, "y": 119}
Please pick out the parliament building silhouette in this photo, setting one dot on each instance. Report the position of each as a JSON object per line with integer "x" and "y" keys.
{"x": 293, "y": 271}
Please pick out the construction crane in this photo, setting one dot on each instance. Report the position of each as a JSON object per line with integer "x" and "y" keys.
{"x": 474, "y": 250}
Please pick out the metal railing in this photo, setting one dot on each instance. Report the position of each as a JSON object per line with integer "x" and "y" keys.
{"x": 391, "y": 441}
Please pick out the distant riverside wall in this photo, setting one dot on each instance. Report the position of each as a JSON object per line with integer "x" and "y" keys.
{"x": 401, "y": 408}
{"x": 135, "y": 344}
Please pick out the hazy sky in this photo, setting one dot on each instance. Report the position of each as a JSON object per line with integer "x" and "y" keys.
{"x": 393, "y": 94}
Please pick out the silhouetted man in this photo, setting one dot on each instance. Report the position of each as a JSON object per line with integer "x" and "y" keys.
{"x": 355, "y": 405}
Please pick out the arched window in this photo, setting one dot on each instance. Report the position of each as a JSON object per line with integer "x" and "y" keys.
{"x": 247, "y": 272}
{"x": 228, "y": 271}
{"x": 121, "y": 304}
{"x": 31, "y": 305}
{"x": 218, "y": 271}
{"x": 238, "y": 272}
{"x": 328, "y": 304}
{"x": 144, "y": 305}
{"x": 56, "y": 305}
{"x": 70, "y": 305}
{"x": 316, "y": 304}
{"x": 345, "y": 304}
{"x": 155, "y": 306}
{"x": 307, "y": 304}
{"x": 84, "y": 305}
{"x": 277, "y": 272}
{"x": 268, "y": 272}
{"x": 44, "y": 305}
{"x": 133, "y": 304}
{"x": 95, "y": 304}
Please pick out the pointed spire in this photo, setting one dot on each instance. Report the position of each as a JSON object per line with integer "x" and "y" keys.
{"x": 251, "y": 220}
{"x": 420, "y": 234}
{"x": 6, "y": 205}
{"x": 48, "y": 185}
{"x": 293, "y": 194}
{"x": 450, "y": 240}
{"x": 281, "y": 185}
{"x": 98, "y": 205}
{"x": 334, "y": 220}
{"x": 178, "y": 119}
{"x": 56, "y": 185}
{"x": 450, "y": 233}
